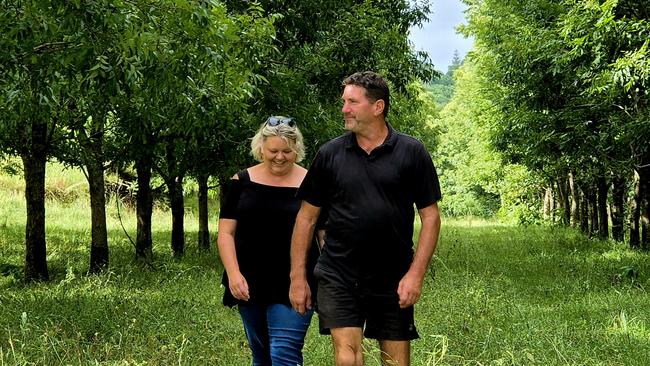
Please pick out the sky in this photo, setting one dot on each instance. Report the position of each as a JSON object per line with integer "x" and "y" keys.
{"x": 438, "y": 36}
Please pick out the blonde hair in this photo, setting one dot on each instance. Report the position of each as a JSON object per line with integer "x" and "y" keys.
{"x": 290, "y": 134}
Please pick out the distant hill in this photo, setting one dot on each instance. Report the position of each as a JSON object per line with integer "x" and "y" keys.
{"x": 442, "y": 88}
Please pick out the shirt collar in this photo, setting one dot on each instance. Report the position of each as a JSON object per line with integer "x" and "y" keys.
{"x": 389, "y": 143}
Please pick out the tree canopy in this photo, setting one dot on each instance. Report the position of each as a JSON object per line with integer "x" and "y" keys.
{"x": 568, "y": 83}
{"x": 173, "y": 89}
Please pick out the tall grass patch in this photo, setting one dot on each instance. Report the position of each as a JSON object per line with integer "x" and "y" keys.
{"x": 533, "y": 296}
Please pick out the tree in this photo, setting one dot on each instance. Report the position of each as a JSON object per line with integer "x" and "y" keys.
{"x": 471, "y": 172}
{"x": 96, "y": 75}
{"x": 197, "y": 67}
{"x": 33, "y": 51}
{"x": 174, "y": 87}
{"x": 565, "y": 70}
{"x": 85, "y": 73}
{"x": 318, "y": 48}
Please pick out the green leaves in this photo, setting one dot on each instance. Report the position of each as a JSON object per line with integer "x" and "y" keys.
{"x": 188, "y": 68}
{"x": 557, "y": 65}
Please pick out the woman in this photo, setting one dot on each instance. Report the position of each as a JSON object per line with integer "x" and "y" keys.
{"x": 255, "y": 225}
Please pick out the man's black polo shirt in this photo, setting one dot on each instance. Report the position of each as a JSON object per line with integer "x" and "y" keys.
{"x": 369, "y": 202}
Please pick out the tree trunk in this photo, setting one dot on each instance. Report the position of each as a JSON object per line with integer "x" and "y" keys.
{"x": 618, "y": 208}
{"x": 584, "y": 214}
{"x": 553, "y": 206}
{"x": 94, "y": 162}
{"x": 144, "y": 208}
{"x": 545, "y": 205}
{"x": 593, "y": 212}
{"x": 563, "y": 199}
{"x": 603, "y": 190}
{"x": 645, "y": 208}
{"x": 175, "y": 188}
{"x": 174, "y": 182}
{"x": 35, "y": 247}
{"x": 548, "y": 204}
{"x": 559, "y": 200}
{"x": 204, "y": 231}
{"x": 575, "y": 201}
{"x": 635, "y": 212}
{"x": 99, "y": 237}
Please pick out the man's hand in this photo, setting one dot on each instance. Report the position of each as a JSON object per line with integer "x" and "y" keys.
{"x": 409, "y": 289}
{"x": 300, "y": 296}
{"x": 303, "y": 235}
{"x": 238, "y": 287}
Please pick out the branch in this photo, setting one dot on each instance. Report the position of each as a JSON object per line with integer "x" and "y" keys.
{"x": 277, "y": 62}
{"x": 49, "y": 45}
{"x": 119, "y": 216}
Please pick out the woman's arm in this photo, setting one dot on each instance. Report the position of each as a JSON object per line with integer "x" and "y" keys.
{"x": 226, "y": 243}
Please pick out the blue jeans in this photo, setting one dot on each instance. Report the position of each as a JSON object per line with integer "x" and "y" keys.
{"x": 276, "y": 333}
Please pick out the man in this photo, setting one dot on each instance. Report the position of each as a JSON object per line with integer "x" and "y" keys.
{"x": 368, "y": 180}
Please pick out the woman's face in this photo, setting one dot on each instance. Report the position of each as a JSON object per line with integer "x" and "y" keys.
{"x": 278, "y": 155}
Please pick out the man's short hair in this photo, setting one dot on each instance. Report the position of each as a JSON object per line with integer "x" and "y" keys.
{"x": 375, "y": 85}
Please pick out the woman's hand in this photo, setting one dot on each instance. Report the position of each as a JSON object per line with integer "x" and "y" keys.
{"x": 238, "y": 286}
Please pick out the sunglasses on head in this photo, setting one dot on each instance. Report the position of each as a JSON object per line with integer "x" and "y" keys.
{"x": 278, "y": 120}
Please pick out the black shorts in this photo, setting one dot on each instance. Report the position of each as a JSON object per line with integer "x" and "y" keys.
{"x": 344, "y": 303}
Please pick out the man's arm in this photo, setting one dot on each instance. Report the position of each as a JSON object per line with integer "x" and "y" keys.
{"x": 410, "y": 287}
{"x": 303, "y": 233}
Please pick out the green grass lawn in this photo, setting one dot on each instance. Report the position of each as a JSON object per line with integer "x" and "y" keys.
{"x": 499, "y": 295}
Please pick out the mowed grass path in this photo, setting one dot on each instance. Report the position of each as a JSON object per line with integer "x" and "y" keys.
{"x": 496, "y": 295}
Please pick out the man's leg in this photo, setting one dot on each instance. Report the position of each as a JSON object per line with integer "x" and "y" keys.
{"x": 348, "y": 349}
{"x": 340, "y": 316}
{"x": 391, "y": 325}
{"x": 395, "y": 353}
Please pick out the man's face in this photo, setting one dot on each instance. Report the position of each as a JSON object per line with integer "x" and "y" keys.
{"x": 357, "y": 109}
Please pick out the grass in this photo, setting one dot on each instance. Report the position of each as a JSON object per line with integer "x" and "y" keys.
{"x": 537, "y": 295}
{"x": 499, "y": 295}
